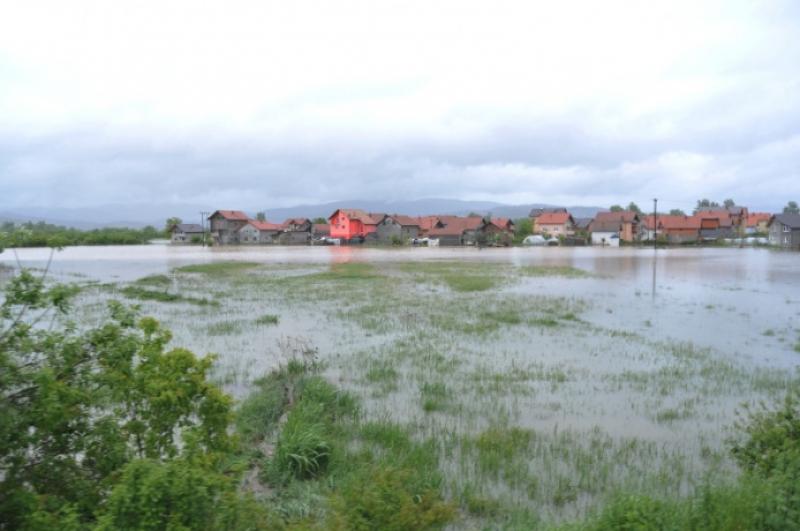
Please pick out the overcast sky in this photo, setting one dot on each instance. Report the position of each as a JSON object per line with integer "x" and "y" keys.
{"x": 274, "y": 103}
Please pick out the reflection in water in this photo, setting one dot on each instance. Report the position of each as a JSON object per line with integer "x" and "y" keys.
{"x": 655, "y": 262}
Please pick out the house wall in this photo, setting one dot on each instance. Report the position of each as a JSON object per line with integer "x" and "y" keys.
{"x": 295, "y": 237}
{"x": 553, "y": 230}
{"x": 249, "y": 235}
{"x": 605, "y": 238}
{"x": 779, "y": 236}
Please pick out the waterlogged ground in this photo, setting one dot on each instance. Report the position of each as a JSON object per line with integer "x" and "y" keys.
{"x": 549, "y": 379}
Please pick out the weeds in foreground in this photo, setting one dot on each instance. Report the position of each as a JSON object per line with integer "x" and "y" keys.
{"x": 217, "y": 268}
{"x": 267, "y": 319}
{"x": 136, "y": 292}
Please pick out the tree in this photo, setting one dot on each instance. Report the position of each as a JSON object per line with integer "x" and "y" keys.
{"x": 616, "y": 208}
{"x": 728, "y": 203}
{"x": 677, "y": 212}
{"x": 171, "y": 222}
{"x": 261, "y": 216}
{"x": 791, "y": 208}
{"x": 523, "y": 227}
{"x": 78, "y": 407}
{"x": 319, "y": 221}
{"x": 705, "y": 203}
{"x": 633, "y": 207}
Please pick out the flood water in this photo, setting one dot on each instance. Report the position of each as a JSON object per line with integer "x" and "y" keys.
{"x": 726, "y": 298}
{"x": 645, "y": 377}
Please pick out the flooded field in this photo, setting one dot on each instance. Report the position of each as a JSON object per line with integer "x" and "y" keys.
{"x": 548, "y": 379}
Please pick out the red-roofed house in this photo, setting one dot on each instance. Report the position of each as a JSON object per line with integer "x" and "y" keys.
{"x": 296, "y": 231}
{"x": 351, "y": 224}
{"x": 259, "y": 232}
{"x": 456, "y": 230}
{"x": 225, "y": 225}
{"x": 675, "y": 229}
{"x": 396, "y": 228}
{"x": 554, "y": 224}
{"x": 623, "y": 224}
{"x": 758, "y": 222}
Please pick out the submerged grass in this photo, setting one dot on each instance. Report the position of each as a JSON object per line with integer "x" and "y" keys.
{"x": 554, "y": 271}
{"x": 217, "y": 268}
{"x": 136, "y": 292}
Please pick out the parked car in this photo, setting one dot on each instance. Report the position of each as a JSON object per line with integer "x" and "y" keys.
{"x": 535, "y": 240}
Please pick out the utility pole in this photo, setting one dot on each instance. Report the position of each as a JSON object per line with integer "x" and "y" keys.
{"x": 655, "y": 223}
{"x": 203, "y": 225}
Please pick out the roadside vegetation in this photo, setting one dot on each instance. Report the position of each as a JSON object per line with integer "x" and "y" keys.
{"x": 43, "y": 234}
{"x": 437, "y": 395}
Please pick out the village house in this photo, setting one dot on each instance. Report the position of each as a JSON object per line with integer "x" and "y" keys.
{"x": 396, "y": 228}
{"x": 758, "y": 223}
{"x": 670, "y": 228}
{"x": 456, "y": 230}
{"x": 186, "y": 233}
{"x": 320, "y": 230}
{"x": 498, "y": 231}
{"x": 259, "y": 232}
{"x": 606, "y": 232}
{"x": 296, "y": 231}
{"x": 625, "y": 224}
{"x": 554, "y": 224}
{"x": 351, "y": 225}
{"x": 225, "y": 225}
{"x": 784, "y": 231}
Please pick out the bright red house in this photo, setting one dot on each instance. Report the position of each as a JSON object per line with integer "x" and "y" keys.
{"x": 351, "y": 223}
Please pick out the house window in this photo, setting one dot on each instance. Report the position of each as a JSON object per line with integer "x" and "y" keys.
{"x": 786, "y": 228}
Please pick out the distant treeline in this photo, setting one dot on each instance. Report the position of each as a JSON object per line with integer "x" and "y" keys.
{"x": 43, "y": 234}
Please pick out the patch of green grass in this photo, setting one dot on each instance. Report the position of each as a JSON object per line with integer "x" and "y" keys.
{"x": 548, "y": 322}
{"x": 769, "y": 332}
{"x": 259, "y": 412}
{"x": 508, "y": 316}
{"x": 217, "y": 268}
{"x": 469, "y": 283}
{"x": 554, "y": 271}
{"x": 382, "y": 372}
{"x": 435, "y": 396}
{"x": 797, "y": 347}
{"x": 499, "y": 446}
{"x": 386, "y": 435}
{"x": 136, "y": 292}
{"x": 350, "y": 271}
{"x": 267, "y": 319}
{"x": 224, "y": 328}
{"x": 155, "y": 280}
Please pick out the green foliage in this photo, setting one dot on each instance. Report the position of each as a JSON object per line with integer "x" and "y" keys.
{"x": 616, "y": 208}
{"x": 46, "y": 235}
{"x": 267, "y": 319}
{"x": 705, "y": 203}
{"x": 729, "y": 203}
{"x": 259, "y": 412}
{"x": 171, "y": 222}
{"x": 386, "y": 498}
{"x": 217, "y": 268}
{"x": 791, "y": 208}
{"x": 677, "y": 212}
{"x": 319, "y": 221}
{"x": 469, "y": 283}
{"x": 771, "y": 441}
{"x": 78, "y": 406}
{"x": 522, "y": 227}
{"x": 633, "y": 207}
{"x": 261, "y": 216}
{"x": 140, "y": 293}
{"x": 554, "y": 271}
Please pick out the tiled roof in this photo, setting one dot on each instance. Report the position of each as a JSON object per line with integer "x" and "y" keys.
{"x": 669, "y": 222}
{"x": 406, "y": 221}
{"x": 356, "y": 213}
{"x": 553, "y": 218}
{"x": 456, "y": 225}
{"x": 188, "y": 228}
{"x": 231, "y": 215}
{"x": 755, "y": 218}
{"x": 790, "y": 220}
{"x": 627, "y": 216}
{"x": 264, "y": 225}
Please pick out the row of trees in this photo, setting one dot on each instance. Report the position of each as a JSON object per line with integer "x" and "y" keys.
{"x": 43, "y": 234}
{"x": 790, "y": 208}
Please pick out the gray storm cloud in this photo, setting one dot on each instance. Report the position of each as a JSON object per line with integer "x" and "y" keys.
{"x": 697, "y": 100}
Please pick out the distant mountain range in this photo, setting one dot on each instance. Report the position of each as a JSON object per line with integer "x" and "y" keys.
{"x": 125, "y": 215}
